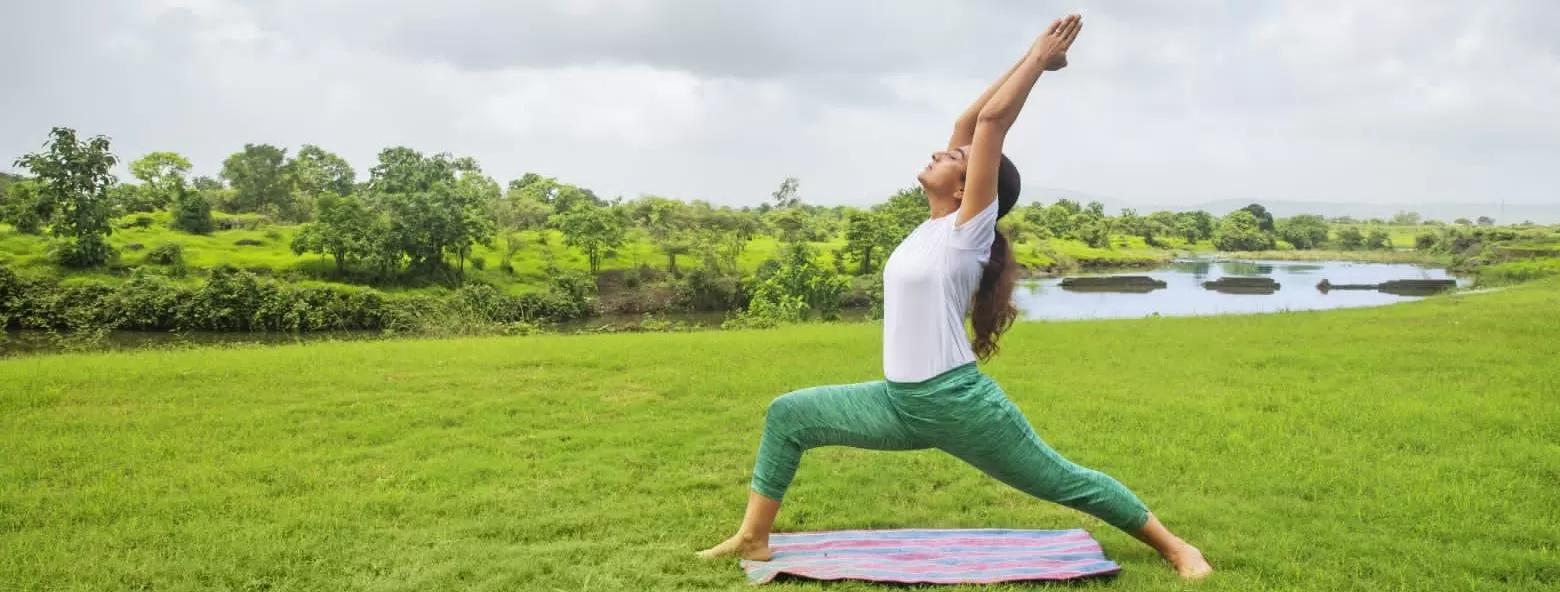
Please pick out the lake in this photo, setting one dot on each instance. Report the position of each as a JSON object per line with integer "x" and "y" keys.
{"x": 1183, "y": 293}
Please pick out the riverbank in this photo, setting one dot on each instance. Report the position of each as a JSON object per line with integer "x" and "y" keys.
{"x": 532, "y": 464}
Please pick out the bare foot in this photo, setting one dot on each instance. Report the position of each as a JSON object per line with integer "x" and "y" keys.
{"x": 1189, "y": 562}
{"x": 748, "y": 546}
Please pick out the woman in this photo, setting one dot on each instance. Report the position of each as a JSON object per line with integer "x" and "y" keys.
{"x": 933, "y": 395}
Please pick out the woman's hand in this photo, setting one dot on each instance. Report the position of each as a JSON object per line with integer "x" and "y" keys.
{"x": 1051, "y": 48}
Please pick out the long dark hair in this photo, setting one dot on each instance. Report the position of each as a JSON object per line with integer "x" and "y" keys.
{"x": 992, "y": 309}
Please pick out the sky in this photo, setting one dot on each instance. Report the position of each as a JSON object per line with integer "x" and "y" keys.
{"x": 1365, "y": 101}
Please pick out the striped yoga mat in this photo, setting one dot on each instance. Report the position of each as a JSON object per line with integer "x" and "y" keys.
{"x": 933, "y": 556}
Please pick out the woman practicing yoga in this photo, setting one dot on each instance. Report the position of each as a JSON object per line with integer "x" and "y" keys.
{"x": 933, "y": 395}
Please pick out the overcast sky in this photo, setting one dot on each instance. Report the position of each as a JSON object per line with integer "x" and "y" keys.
{"x": 1398, "y": 101}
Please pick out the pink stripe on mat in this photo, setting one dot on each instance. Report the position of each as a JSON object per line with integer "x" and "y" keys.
{"x": 925, "y": 556}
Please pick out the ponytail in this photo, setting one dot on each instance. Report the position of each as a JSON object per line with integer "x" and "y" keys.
{"x": 993, "y": 303}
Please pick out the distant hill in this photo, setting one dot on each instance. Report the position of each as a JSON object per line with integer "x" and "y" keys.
{"x": 1445, "y": 212}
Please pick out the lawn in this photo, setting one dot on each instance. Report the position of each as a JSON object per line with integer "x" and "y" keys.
{"x": 1412, "y": 447}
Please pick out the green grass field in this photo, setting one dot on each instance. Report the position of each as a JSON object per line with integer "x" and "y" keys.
{"x": 1412, "y": 447}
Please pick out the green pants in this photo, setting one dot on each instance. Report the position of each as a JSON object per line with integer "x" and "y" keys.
{"x": 962, "y": 412}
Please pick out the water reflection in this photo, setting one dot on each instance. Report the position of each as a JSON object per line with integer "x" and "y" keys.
{"x": 1232, "y": 287}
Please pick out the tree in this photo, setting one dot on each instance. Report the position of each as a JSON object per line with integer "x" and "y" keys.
{"x": 315, "y": 171}
{"x": 260, "y": 181}
{"x": 1350, "y": 239}
{"x": 1305, "y": 231}
{"x": 669, "y": 223}
{"x": 344, "y": 230}
{"x": 1264, "y": 218}
{"x": 192, "y": 212}
{"x": 785, "y": 196}
{"x": 1486, "y": 221}
{"x": 1378, "y": 240}
{"x": 22, "y": 205}
{"x": 1463, "y": 222}
{"x": 1242, "y": 231}
{"x": 435, "y": 204}
{"x": 866, "y": 235}
{"x": 595, "y": 230}
{"x": 1058, "y": 218}
{"x": 1150, "y": 228}
{"x": 791, "y": 224}
{"x": 1406, "y": 218}
{"x": 722, "y": 236}
{"x": 204, "y": 183}
{"x": 515, "y": 213}
{"x": 162, "y": 181}
{"x": 904, "y": 210}
{"x": 73, "y": 195}
{"x": 1195, "y": 226}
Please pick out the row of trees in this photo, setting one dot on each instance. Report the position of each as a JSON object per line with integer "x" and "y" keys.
{"x": 424, "y": 214}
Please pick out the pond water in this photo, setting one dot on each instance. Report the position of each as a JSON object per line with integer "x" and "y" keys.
{"x": 1184, "y": 294}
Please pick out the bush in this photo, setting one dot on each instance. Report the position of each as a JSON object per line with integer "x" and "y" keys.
{"x": 1350, "y": 239}
{"x": 1378, "y": 240}
{"x": 478, "y": 262}
{"x": 248, "y": 242}
{"x": 166, "y": 254}
{"x": 1425, "y": 241}
{"x": 706, "y": 289}
{"x": 192, "y": 214}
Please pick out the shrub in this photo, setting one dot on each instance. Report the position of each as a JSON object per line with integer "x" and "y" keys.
{"x": 166, "y": 254}
{"x": 192, "y": 214}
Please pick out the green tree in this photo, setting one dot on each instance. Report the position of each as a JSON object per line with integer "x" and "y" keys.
{"x": 1406, "y": 218}
{"x": 204, "y": 183}
{"x": 1350, "y": 239}
{"x": 1264, "y": 218}
{"x": 904, "y": 210}
{"x": 785, "y": 196}
{"x": 1486, "y": 221}
{"x": 598, "y": 231}
{"x": 515, "y": 213}
{"x": 22, "y": 205}
{"x": 260, "y": 182}
{"x": 1378, "y": 240}
{"x": 435, "y": 205}
{"x": 192, "y": 212}
{"x": 1241, "y": 231}
{"x": 1305, "y": 231}
{"x": 316, "y": 171}
{"x": 344, "y": 230}
{"x": 866, "y": 235}
{"x": 1058, "y": 219}
{"x": 669, "y": 224}
{"x": 791, "y": 224}
{"x": 162, "y": 176}
{"x": 74, "y": 178}
{"x": 722, "y": 236}
{"x": 1195, "y": 226}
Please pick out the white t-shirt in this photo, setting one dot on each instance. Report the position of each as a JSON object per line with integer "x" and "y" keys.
{"x": 927, "y": 284}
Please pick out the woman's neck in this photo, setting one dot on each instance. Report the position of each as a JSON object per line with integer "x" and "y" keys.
{"x": 942, "y": 206}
